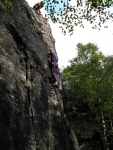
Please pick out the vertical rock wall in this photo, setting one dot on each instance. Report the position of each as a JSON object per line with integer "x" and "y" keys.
{"x": 30, "y": 107}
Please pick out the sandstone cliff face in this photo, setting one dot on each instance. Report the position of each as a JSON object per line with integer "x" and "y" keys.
{"x": 30, "y": 107}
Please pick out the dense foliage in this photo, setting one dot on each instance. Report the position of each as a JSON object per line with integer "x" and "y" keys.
{"x": 88, "y": 84}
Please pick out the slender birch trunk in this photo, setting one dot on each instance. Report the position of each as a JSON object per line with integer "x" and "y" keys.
{"x": 105, "y": 141}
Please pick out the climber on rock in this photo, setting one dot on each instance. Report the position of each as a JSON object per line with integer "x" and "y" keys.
{"x": 38, "y": 6}
{"x": 54, "y": 67}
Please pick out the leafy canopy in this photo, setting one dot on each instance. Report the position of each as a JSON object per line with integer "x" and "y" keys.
{"x": 70, "y": 13}
{"x": 88, "y": 83}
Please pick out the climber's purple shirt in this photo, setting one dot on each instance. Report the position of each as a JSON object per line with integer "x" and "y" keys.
{"x": 53, "y": 56}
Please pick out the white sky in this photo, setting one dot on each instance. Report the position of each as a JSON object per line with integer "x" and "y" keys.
{"x": 66, "y": 45}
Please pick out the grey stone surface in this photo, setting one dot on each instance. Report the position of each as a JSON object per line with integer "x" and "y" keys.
{"x": 30, "y": 107}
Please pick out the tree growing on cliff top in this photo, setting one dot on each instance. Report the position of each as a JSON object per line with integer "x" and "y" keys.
{"x": 6, "y": 3}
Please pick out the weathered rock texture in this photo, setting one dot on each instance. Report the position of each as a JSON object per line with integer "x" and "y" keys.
{"x": 30, "y": 107}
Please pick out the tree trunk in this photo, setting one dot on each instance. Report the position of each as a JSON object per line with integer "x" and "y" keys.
{"x": 104, "y": 136}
